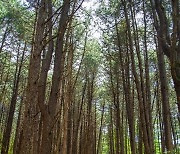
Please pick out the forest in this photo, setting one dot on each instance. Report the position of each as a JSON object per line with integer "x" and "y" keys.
{"x": 89, "y": 76}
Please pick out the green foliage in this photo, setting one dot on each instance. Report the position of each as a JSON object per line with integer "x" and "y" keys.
{"x": 93, "y": 56}
{"x": 105, "y": 144}
{"x": 100, "y": 65}
{"x": 17, "y": 17}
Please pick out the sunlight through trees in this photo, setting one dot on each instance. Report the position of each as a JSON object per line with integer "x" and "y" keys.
{"x": 89, "y": 77}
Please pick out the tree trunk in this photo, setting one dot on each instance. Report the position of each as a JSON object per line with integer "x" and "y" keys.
{"x": 49, "y": 116}
{"x": 127, "y": 92}
{"x": 148, "y": 149}
{"x": 170, "y": 45}
{"x": 165, "y": 100}
{"x": 7, "y": 132}
{"x": 32, "y": 87}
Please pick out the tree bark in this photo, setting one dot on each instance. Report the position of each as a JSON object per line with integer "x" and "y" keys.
{"x": 7, "y": 132}
{"x": 48, "y": 118}
{"x": 165, "y": 100}
{"x": 32, "y": 87}
{"x": 148, "y": 149}
{"x": 170, "y": 45}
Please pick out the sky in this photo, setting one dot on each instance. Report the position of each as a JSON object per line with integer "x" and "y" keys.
{"x": 93, "y": 5}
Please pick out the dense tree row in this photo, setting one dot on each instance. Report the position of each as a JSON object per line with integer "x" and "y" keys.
{"x": 63, "y": 90}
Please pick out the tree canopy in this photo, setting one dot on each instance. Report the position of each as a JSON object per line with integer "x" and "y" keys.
{"x": 89, "y": 77}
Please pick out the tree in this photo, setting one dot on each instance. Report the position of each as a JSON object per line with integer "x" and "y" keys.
{"x": 65, "y": 89}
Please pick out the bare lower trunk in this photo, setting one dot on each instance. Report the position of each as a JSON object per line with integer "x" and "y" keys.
{"x": 7, "y": 132}
{"x": 50, "y": 111}
{"x": 177, "y": 88}
{"x": 165, "y": 101}
{"x": 47, "y": 134}
{"x": 30, "y": 101}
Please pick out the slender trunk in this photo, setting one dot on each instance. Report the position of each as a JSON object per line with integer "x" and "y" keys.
{"x": 170, "y": 45}
{"x": 77, "y": 126}
{"x": 32, "y": 86}
{"x": 18, "y": 125}
{"x": 165, "y": 100}
{"x": 68, "y": 102}
{"x": 147, "y": 105}
{"x": 111, "y": 132}
{"x": 127, "y": 92}
{"x": 100, "y": 130}
{"x": 48, "y": 118}
{"x": 148, "y": 149}
{"x": 7, "y": 132}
